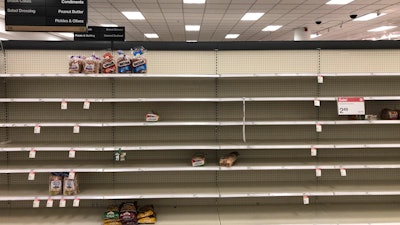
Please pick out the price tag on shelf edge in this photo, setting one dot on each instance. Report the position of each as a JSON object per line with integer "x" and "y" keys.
{"x": 62, "y": 203}
{"x": 318, "y": 127}
{"x": 72, "y": 153}
{"x": 306, "y": 200}
{"x": 317, "y": 103}
{"x": 318, "y": 172}
{"x": 350, "y": 106}
{"x": 76, "y": 129}
{"x": 49, "y": 203}
{"x": 32, "y": 154}
{"x": 71, "y": 175}
{"x": 76, "y": 202}
{"x": 36, "y": 203}
{"x": 36, "y": 129}
{"x": 343, "y": 172}
{"x": 64, "y": 105}
{"x": 86, "y": 105}
{"x": 314, "y": 152}
{"x": 31, "y": 175}
{"x": 320, "y": 79}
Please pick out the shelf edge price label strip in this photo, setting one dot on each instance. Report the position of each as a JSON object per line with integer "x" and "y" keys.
{"x": 350, "y": 106}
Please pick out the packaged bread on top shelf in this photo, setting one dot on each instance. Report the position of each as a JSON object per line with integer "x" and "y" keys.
{"x": 108, "y": 64}
{"x": 91, "y": 64}
{"x": 139, "y": 62}
{"x": 229, "y": 159}
{"x": 123, "y": 62}
{"x": 75, "y": 64}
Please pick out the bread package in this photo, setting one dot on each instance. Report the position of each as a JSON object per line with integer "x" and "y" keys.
{"x": 55, "y": 184}
{"x": 128, "y": 213}
{"x": 389, "y": 114}
{"x": 146, "y": 215}
{"x": 108, "y": 64}
{"x": 91, "y": 65}
{"x": 139, "y": 62}
{"x": 71, "y": 186}
{"x": 123, "y": 63}
{"x": 229, "y": 159}
{"x": 75, "y": 64}
{"x": 198, "y": 159}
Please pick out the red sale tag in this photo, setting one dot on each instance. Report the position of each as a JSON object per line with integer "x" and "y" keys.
{"x": 351, "y": 106}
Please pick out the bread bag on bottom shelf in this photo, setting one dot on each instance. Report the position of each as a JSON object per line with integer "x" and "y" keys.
{"x": 111, "y": 216}
{"x": 229, "y": 159}
{"x": 146, "y": 215}
{"x": 128, "y": 213}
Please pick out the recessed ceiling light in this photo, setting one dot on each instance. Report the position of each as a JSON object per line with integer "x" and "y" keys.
{"x": 369, "y": 16}
{"x": 192, "y": 27}
{"x": 382, "y": 28}
{"x": 339, "y": 2}
{"x": 151, "y": 35}
{"x": 191, "y": 41}
{"x": 232, "y": 36}
{"x": 134, "y": 15}
{"x": 315, "y": 35}
{"x": 272, "y": 28}
{"x": 194, "y": 1}
{"x": 252, "y": 16}
{"x": 108, "y": 25}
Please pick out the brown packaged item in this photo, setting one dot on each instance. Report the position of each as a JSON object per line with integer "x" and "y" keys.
{"x": 55, "y": 185}
{"x": 71, "y": 186}
{"x": 75, "y": 64}
{"x": 389, "y": 114}
{"x": 228, "y": 160}
{"x": 108, "y": 64}
{"x": 91, "y": 65}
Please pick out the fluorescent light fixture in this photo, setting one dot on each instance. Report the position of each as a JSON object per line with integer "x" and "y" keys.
{"x": 108, "y": 25}
{"x": 134, "y": 15}
{"x": 191, "y": 41}
{"x": 2, "y": 12}
{"x": 232, "y": 36}
{"x": 66, "y": 34}
{"x": 339, "y": 2}
{"x": 192, "y": 27}
{"x": 314, "y": 35}
{"x": 194, "y": 1}
{"x": 369, "y": 16}
{"x": 272, "y": 28}
{"x": 382, "y": 28}
{"x": 252, "y": 16}
{"x": 151, "y": 35}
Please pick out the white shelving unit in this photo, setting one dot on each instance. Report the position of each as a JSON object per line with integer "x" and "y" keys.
{"x": 270, "y": 118}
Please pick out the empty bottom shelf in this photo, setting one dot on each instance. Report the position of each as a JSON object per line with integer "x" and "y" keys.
{"x": 381, "y": 214}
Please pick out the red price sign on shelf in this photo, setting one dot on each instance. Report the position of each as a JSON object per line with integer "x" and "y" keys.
{"x": 351, "y": 106}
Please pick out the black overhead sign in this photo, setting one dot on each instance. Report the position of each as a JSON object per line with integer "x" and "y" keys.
{"x": 101, "y": 34}
{"x": 46, "y": 15}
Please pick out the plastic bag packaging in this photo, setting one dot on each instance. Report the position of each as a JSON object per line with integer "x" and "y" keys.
{"x": 123, "y": 63}
{"x": 139, "y": 62}
{"x": 108, "y": 64}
